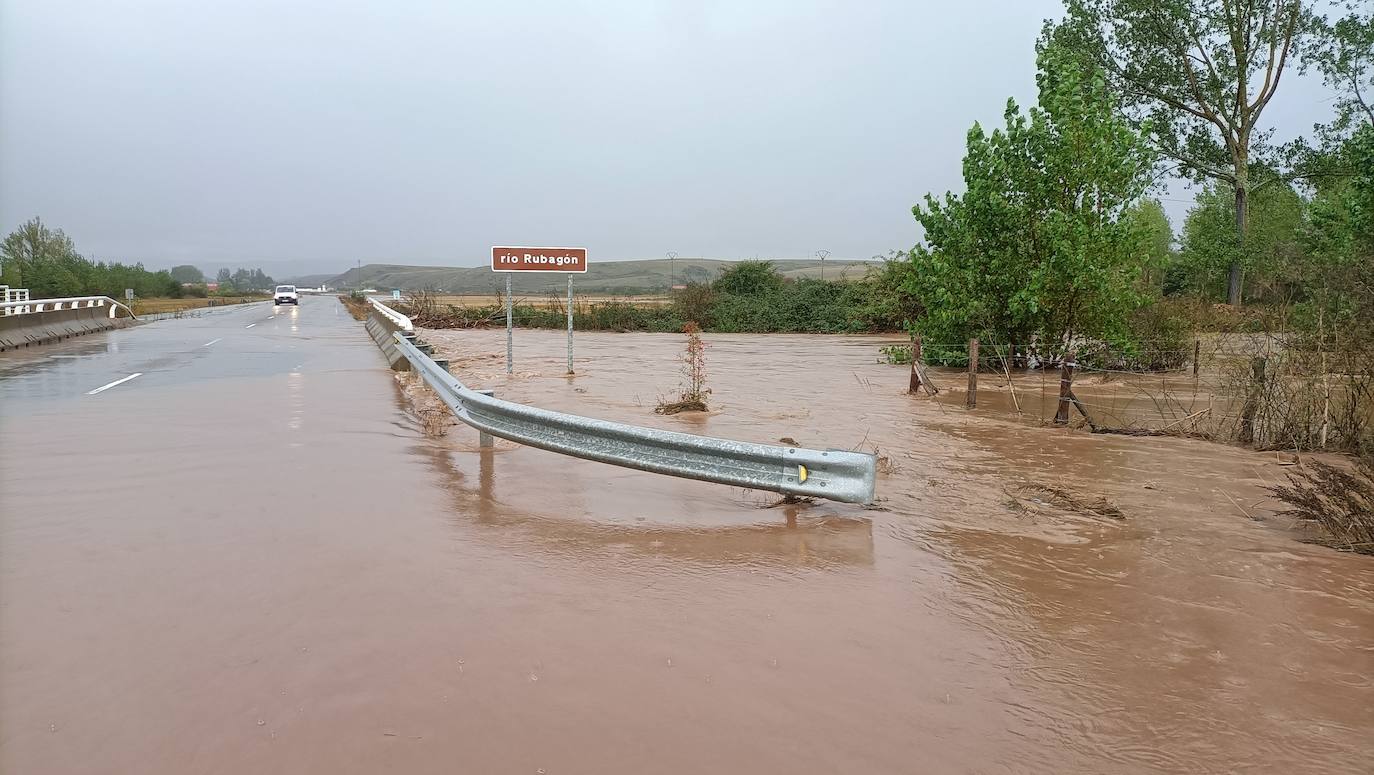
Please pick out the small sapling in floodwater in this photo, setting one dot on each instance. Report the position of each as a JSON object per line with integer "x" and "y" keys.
{"x": 694, "y": 392}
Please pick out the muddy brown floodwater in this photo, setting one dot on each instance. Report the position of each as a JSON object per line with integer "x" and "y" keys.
{"x": 963, "y": 625}
{"x": 425, "y": 607}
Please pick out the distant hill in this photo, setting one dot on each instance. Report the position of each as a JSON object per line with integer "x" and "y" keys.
{"x": 610, "y": 277}
{"x": 309, "y": 280}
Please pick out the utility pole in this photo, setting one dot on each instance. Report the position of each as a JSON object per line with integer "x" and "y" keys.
{"x": 822, "y": 254}
{"x": 672, "y": 270}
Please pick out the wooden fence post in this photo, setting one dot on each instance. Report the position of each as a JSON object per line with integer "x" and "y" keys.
{"x": 971, "y": 400}
{"x": 1252, "y": 396}
{"x": 914, "y": 383}
{"x": 1061, "y": 417}
{"x": 1197, "y": 354}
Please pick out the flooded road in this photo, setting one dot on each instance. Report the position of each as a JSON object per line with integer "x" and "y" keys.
{"x": 253, "y": 559}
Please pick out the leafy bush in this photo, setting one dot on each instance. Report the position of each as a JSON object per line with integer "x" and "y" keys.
{"x": 896, "y": 354}
{"x": 694, "y": 302}
{"x": 749, "y": 278}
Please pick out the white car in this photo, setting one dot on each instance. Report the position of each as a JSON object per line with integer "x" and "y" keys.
{"x": 286, "y": 294}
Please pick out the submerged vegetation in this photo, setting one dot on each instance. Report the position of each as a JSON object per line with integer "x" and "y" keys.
{"x": 694, "y": 390}
{"x": 1338, "y": 502}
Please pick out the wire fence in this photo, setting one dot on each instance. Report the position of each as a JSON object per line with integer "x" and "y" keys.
{"x": 1270, "y": 391}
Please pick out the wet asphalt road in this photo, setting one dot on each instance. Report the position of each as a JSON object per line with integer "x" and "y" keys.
{"x": 231, "y": 343}
{"x": 162, "y": 534}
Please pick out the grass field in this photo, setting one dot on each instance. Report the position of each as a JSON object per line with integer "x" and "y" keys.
{"x": 153, "y": 306}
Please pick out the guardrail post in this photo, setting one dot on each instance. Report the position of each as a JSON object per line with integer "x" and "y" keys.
{"x": 484, "y": 439}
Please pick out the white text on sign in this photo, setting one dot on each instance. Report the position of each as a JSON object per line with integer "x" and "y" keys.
{"x": 532, "y": 259}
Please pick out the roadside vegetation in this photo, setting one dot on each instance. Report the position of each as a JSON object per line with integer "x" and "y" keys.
{"x": 1057, "y": 246}
{"x": 749, "y": 297}
{"x": 46, "y": 262}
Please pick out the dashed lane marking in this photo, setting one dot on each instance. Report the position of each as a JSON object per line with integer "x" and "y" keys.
{"x": 103, "y": 388}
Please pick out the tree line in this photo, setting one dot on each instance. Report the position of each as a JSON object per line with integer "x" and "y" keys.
{"x": 45, "y": 261}
{"x": 1057, "y": 237}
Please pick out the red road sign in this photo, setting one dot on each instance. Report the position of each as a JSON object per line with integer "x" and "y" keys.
{"x": 515, "y": 259}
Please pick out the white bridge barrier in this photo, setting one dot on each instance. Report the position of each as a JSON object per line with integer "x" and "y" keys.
{"x": 25, "y": 322}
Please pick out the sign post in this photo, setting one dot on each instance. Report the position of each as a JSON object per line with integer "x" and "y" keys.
{"x": 570, "y": 303}
{"x": 510, "y": 260}
{"x": 510, "y": 332}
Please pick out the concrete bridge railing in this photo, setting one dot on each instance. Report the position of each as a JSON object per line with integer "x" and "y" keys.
{"x": 26, "y": 322}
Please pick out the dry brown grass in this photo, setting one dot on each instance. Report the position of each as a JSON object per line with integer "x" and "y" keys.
{"x": 356, "y": 307}
{"x": 677, "y": 407}
{"x": 154, "y": 306}
{"x": 1339, "y": 502}
{"x": 1069, "y": 500}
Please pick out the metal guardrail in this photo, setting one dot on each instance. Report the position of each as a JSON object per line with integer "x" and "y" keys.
{"x": 396, "y": 318}
{"x": 831, "y": 474}
{"x": 32, "y": 306}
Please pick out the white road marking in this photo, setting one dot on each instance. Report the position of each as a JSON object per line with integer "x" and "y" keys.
{"x": 103, "y": 388}
{"x": 250, "y": 325}
{"x": 212, "y": 341}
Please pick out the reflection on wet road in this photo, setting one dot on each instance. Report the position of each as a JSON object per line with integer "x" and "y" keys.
{"x": 251, "y": 559}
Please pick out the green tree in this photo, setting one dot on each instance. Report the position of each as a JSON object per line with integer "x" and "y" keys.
{"x": 749, "y": 278}
{"x": 1199, "y": 73}
{"x": 46, "y": 262}
{"x": 1270, "y": 256}
{"x": 1041, "y": 242}
{"x": 187, "y": 274}
{"x": 1343, "y": 51}
{"x": 1158, "y": 249}
{"x": 43, "y": 260}
{"x": 1339, "y": 236}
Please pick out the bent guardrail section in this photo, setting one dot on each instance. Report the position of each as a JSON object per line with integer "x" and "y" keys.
{"x": 29, "y": 322}
{"x": 831, "y": 474}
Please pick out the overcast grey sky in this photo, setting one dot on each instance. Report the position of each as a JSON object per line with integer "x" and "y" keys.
{"x": 324, "y": 132}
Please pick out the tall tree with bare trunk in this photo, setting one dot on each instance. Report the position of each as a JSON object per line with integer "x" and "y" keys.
{"x": 1198, "y": 74}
